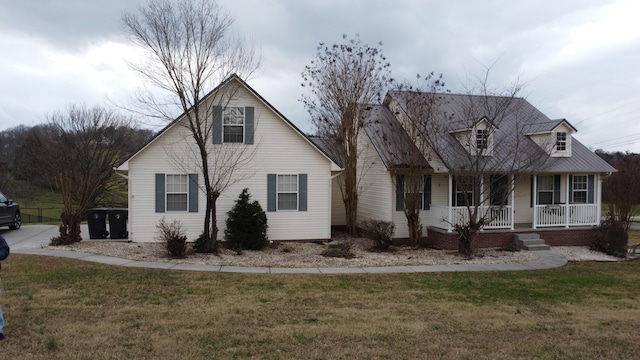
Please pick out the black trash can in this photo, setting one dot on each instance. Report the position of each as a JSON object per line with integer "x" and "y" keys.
{"x": 118, "y": 223}
{"x": 96, "y": 220}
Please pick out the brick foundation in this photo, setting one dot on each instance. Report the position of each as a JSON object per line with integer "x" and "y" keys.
{"x": 439, "y": 239}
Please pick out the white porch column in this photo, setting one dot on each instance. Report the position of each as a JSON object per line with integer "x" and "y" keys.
{"x": 480, "y": 206}
{"x": 566, "y": 202}
{"x": 534, "y": 179}
{"x": 449, "y": 203}
{"x": 513, "y": 202}
{"x": 598, "y": 197}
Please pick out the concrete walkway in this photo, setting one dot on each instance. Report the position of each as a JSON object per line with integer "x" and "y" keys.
{"x": 29, "y": 238}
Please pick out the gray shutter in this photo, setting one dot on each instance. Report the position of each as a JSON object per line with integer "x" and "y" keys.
{"x": 248, "y": 125}
{"x": 216, "y": 130}
{"x": 160, "y": 188}
{"x": 302, "y": 192}
{"x": 590, "y": 189}
{"x": 399, "y": 193}
{"x": 271, "y": 192}
{"x": 193, "y": 192}
{"x": 426, "y": 193}
{"x": 556, "y": 189}
{"x": 570, "y": 189}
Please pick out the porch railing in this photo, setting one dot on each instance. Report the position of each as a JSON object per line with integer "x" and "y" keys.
{"x": 567, "y": 215}
{"x": 446, "y": 218}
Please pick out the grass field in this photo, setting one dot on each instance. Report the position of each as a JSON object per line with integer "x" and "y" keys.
{"x": 58, "y": 308}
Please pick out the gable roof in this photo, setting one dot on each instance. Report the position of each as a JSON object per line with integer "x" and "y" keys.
{"x": 547, "y": 127}
{"x": 516, "y": 118}
{"x": 233, "y": 77}
{"x": 390, "y": 140}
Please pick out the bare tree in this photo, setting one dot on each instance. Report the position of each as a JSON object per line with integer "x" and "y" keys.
{"x": 84, "y": 144}
{"x": 479, "y": 137}
{"x": 407, "y": 148}
{"x": 342, "y": 80}
{"x": 190, "y": 48}
{"x": 621, "y": 191}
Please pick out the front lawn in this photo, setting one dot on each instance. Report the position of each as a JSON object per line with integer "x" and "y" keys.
{"x": 58, "y": 308}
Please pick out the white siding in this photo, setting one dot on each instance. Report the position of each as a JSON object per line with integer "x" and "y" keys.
{"x": 279, "y": 149}
{"x": 376, "y": 200}
{"x": 523, "y": 212}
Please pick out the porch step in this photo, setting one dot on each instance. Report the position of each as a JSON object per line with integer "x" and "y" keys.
{"x": 531, "y": 242}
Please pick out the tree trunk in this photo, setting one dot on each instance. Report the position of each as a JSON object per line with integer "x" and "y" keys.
{"x": 413, "y": 222}
{"x": 466, "y": 234}
{"x": 69, "y": 229}
{"x": 210, "y": 225}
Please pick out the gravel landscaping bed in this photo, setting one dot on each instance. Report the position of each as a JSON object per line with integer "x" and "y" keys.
{"x": 308, "y": 254}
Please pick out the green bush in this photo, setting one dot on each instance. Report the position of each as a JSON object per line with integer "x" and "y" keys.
{"x": 246, "y": 224}
{"x": 611, "y": 239}
{"x": 173, "y": 237}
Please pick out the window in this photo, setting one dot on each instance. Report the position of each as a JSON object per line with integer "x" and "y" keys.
{"x": 464, "y": 188}
{"x": 414, "y": 186}
{"x": 580, "y": 189}
{"x": 233, "y": 125}
{"x": 499, "y": 190}
{"x": 287, "y": 192}
{"x": 177, "y": 192}
{"x": 545, "y": 190}
{"x": 482, "y": 139}
{"x": 561, "y": 141}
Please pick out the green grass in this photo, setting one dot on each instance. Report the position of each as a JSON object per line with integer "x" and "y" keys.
{"x": 59, "y": 308}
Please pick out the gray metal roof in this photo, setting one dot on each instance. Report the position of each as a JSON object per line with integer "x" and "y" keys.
{"x": 513, "y": 117}
{"x": 391, "y": 141}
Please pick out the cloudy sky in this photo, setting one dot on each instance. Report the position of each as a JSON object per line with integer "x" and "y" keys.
{"x": 579, "y": 58}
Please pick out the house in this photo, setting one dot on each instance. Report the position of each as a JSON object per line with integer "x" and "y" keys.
{"x": 499, "y": 155}
{"x": 285, "y": 172}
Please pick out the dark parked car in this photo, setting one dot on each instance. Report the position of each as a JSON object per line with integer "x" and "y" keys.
{"x": 9, "y": 213}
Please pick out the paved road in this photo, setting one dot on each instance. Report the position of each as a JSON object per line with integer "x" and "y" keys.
{"x": 29, "y": 238}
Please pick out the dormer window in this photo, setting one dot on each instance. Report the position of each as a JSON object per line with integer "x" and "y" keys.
{"x": 561, "y": 141}
{"x": 482, "y": 139}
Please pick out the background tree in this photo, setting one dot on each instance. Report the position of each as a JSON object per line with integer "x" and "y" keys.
{"x": 83, "y": 144}
{"x": 189, "y": 50}
{"x": 343, "y": 79}
{"x": 621, "y": 193}
{"x": 484, "y": 174}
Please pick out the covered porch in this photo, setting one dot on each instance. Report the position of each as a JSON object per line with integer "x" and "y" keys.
{"x": 543, "y": 201}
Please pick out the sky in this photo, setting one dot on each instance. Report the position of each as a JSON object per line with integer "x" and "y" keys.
{"x": 579, "y": 59}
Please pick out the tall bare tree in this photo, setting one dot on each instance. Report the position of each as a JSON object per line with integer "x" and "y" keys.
{"x": 480, "y": 137}
{"x": 342, "y": 80}
{"x": 190, "y": 49}
{"x": 408, "y": 150}
{"x": 84, "y": 143}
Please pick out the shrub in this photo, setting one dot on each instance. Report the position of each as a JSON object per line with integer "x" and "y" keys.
{"x": 512, "y": 247}
{"x": 246, "y": 224}
{"x": 342, "y": 250}
{"x": 382, "y": 232}
{"x": 611, "y": 239}
{"x": 173, "y": 237}
{"x": 199, "y": 244}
